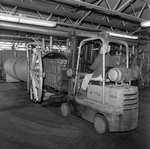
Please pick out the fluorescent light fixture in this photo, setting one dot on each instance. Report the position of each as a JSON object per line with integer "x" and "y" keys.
{"x": 9, "y": 18}
{"x": 39, "y": 22}
{"x": 26, "y": 20}
{"x": 121, "y": 35}
{"x": 145, "y": 23}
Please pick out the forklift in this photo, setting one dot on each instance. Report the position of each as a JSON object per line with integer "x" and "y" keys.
{"x": 112, "y": 103}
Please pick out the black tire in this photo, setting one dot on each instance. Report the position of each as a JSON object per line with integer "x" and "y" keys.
{"x": 100, "y": 124}
{"x": 66, "y": 109}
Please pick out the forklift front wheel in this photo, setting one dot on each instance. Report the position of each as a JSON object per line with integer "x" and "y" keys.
{"x": 100, "y": 124}
{"x": 66, "y": 109}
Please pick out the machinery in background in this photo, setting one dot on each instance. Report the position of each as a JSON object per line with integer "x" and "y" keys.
{"x": 28, "y": 69}
{"x": 56, "y": 81}
{"x": 44, "y": 72}
{"x": 145, "y": 72}
{"x": 17, "y": 68}
{"x": 141, "y": 61}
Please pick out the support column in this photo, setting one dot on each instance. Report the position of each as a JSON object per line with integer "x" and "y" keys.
{"x": 72, "y": 58}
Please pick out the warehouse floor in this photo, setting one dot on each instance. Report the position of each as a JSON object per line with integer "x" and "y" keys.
{"x": 26, "y": 125}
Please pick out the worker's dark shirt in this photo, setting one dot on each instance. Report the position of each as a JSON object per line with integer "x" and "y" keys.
{"x": 97, "y": 66}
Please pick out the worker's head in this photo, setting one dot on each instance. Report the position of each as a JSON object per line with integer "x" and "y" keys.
{"x": 106, "y": 50}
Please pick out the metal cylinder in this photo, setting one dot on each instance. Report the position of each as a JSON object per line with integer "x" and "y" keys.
{"x": 17, "y": 68}
{"x": 120, "y": 74}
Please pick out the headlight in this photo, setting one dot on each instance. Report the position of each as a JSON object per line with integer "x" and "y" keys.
{"x": 70, "y": 72}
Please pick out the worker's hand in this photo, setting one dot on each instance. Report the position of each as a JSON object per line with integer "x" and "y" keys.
{"x": 87, "y": 62}
{"x": 88, "y": 67}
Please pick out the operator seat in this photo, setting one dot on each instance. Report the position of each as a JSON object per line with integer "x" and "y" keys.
{"x": 107, "y": 81}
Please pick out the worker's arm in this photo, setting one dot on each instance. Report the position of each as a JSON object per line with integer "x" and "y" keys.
{"x": 97, "y": 61}
{"x": 88, "y": 64}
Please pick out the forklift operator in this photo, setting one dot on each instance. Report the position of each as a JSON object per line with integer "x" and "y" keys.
{"x": 97, "y": 68}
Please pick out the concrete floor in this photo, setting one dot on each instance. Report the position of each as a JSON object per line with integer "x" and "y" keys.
{"x": 26, "y": 125}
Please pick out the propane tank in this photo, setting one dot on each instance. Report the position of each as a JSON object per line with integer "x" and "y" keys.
{"x": 17, "y": 68}
{"x": 121, "y": 74}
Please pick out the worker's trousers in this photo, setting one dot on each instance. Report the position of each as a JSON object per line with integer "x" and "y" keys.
{"x": 88, "y": 78}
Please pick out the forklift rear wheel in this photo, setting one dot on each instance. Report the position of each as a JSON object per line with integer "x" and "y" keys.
{"x": 66, "y": 109}
{"x": 100, "y": 124}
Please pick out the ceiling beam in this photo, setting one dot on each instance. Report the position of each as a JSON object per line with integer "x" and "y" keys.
{"x": 90, "y": 19}
{"x": 89, "y": 6}
{"x": 106, "y": 11}
{"x": 136, "y": 9}
{"x": 126, "y": 4}
{"x": 15, "y": 40}
{"x": 31, "y": 6}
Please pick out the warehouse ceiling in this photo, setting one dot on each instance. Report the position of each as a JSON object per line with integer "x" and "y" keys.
{"x": 82, "y": 16}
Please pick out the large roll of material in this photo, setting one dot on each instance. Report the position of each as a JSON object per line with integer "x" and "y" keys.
{"x": 17, "y": 68}
{"x": 120, "y": 74}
